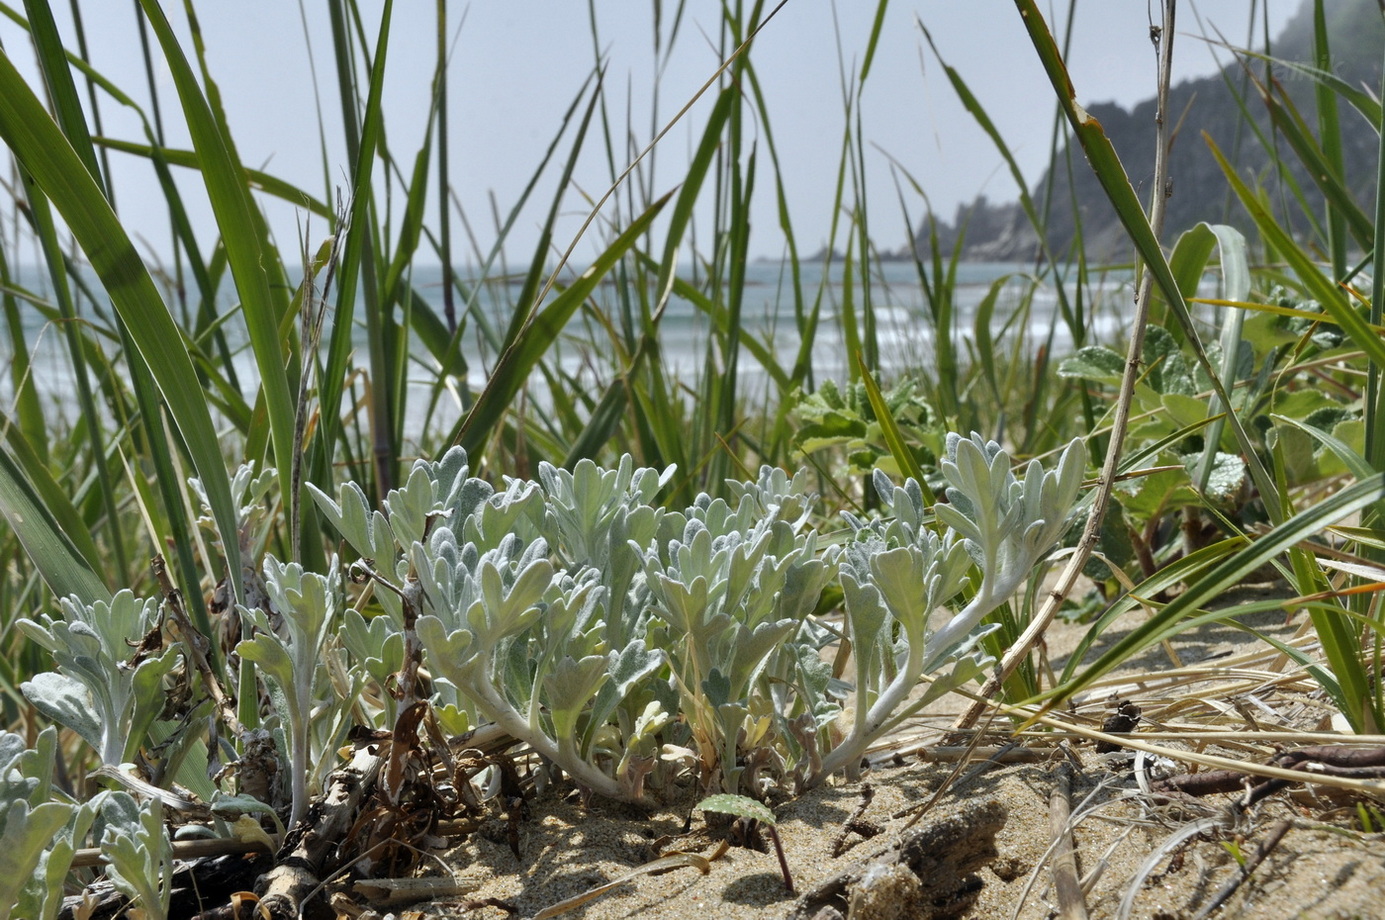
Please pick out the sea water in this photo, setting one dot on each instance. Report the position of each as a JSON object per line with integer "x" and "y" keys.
{"x": 1025, "y": 316}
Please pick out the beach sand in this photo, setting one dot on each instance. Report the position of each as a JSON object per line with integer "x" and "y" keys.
{"x": 1323, "y": 867}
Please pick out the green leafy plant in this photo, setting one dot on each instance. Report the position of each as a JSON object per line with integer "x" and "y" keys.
{"x": 434, "y": 492}
{"x": 749, "y": 809}
{"x": 840, "y": 418}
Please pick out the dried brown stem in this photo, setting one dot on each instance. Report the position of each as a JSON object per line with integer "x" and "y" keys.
{"x": 302, "y": 861}
{"x": 1316, "y": 761}
{"x": 783, "y": 862}
{"x": 197, "y": 645}
{"x": 856, "y": 822}
{"x": 1067, "y": 885}
{"x": 89, "y": 857}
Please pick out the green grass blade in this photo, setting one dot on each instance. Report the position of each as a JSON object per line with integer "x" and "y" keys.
{"x": 876, "y": 25}
{"x": 1230, "y": 572}
{"x": 161, "y": 156}
{"x": 1330, "y": 132}
{"x": 889, "y": 429}
{"x": 26, "y": 399}
{"x": 62, "y": 565}
{"x": 36, "y": 141}
{"x": 411, "y": 226}
{"x": 1351, "y": 459}
{"x": 1343, "y": 211}
{"x": 62, "y": 90}
{"x": 680, "y": 217}
{"x": 257, "y": 179}
{"x": 534, "y": 340}
{"x": 68, "y": 112}
{"x": 1110, "y": 174}
{"x": 241, "y": 234}
{"x": 47, "y": 232}
{"x": 614, "y": 401}
{"x": 983, "y": 119}
{"x": 721, "y": 390}
{"x": 170, "y": 487}
{"x": 1231, "y": 246}
{"x": 444, "y": 183}
{"x": 54, "y": 495}
{"x": 1318, "y": 285}
{"x": 1375, "y": 412}
{"x": 1362, "y": 101}
{"x": 356, "y": 245}
{"x": 534, "y": 277}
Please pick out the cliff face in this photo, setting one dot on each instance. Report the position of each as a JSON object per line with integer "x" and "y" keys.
{"x": 1206, "y": 106}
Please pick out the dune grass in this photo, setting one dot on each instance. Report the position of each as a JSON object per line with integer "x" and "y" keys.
{"x": 1254, "y": 440}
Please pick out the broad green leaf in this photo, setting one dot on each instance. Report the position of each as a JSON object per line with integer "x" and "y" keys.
{"x": 1226, "y": 484}
{"x": 741, "y": 806}
{"x": 1236, "y": 288}
{"x": 68, "y": 702}
{"x": 1094, "y": 362}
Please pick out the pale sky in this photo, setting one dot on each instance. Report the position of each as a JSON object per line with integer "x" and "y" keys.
{"x": 517, "y": 65}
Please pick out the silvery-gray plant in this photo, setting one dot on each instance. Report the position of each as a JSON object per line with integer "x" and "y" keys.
{"x": 521, "y": 632}
{"x": 602, "y": 518}
{"x": 39, "y": 831}
{"x": 138, "y": 853}
{"x": 734, "y": 589}
{"x": 289, "y": 661}
{"x": 435, "y": 493}
{"x": 521, "y": 638}
{"x": 250, "y": 495}
{"x": 1006, "y": 523}
{"x": 105, "y": 689}
{"x": 899, "y": 571}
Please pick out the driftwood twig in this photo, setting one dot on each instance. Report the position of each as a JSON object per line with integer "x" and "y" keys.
{"x": 302, "y": 860}
{"x": 1317, "y": 760}
{"x": 1071, "y": 905}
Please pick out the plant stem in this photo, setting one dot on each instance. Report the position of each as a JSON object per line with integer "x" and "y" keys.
{"x": 499, "y": 711}
{"x": 1101, "y": 494}
{"x": 779, "y": 851}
